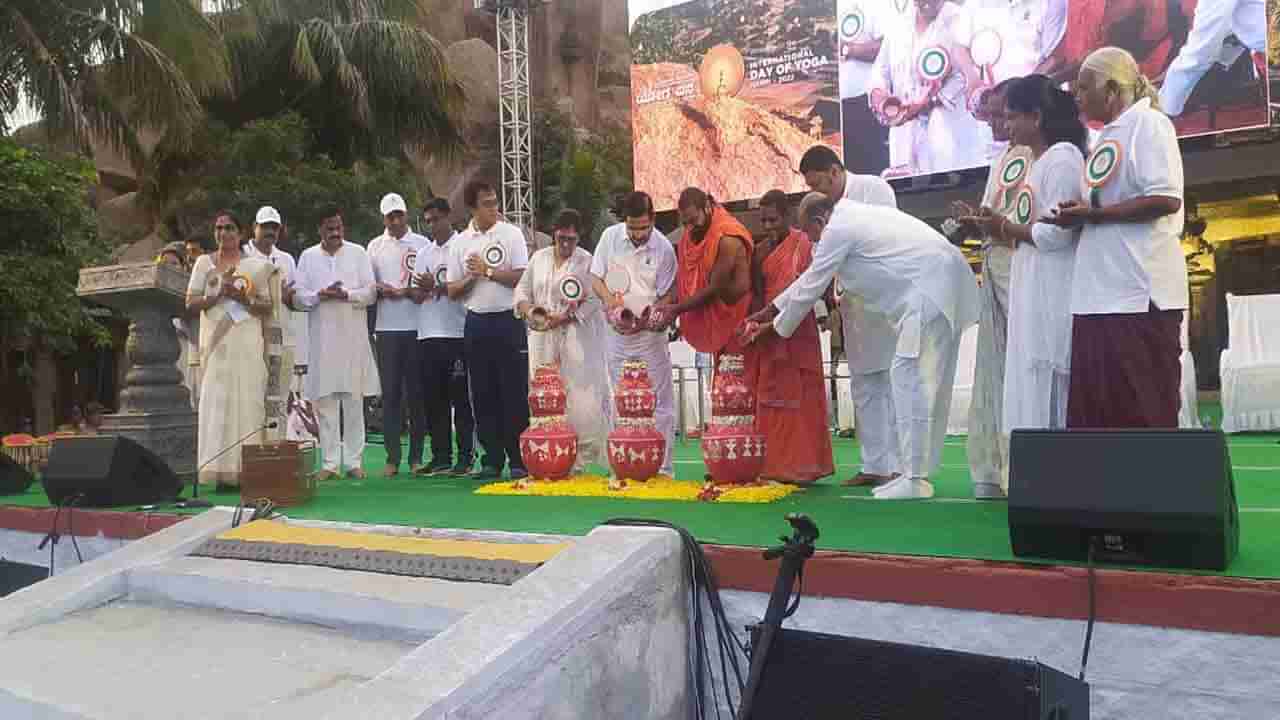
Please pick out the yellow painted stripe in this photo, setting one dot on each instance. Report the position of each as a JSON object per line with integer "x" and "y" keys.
{"x": 277, "y": 532}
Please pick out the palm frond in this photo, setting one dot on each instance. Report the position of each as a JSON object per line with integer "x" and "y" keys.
{"x": 415, "y": 98}
{"x": 110, "y": 123}
{"x": 330, "y": 54}
{"x": 189, "y": 38}
{"x": 51, "y": 92}
{"x": 159, "y": 93}
{"x": 304, "y": 60}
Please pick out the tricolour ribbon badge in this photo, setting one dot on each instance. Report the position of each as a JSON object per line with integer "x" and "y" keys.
{"x": 933, "y": 65}
{"x": 1101, "y": 167}
{"x": 1024, "y": 206}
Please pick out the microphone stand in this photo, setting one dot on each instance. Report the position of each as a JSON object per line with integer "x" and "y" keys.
{"x": 794, "y": 552}
{"x": 195, "y": 501}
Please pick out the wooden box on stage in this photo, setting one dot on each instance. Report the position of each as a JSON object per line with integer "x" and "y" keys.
{"x": 284, "y": 472}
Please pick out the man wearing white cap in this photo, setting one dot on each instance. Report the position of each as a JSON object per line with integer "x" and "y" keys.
{"x": 283, "y": 328}
{"x": 394, "y": 254}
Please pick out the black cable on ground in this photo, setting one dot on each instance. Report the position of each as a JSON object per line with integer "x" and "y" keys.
{"x": 703, "y": 588}
{"x": 1088, "y": 633}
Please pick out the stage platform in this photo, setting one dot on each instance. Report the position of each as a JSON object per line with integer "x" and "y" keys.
{"x": 951, "y": 551}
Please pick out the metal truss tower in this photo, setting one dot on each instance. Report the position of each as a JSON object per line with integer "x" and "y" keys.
{"x": 515, "y": 117}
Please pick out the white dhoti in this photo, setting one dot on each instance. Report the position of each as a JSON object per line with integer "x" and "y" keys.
{"x": 1189, "y": 409}
{"x": 987, "y": 445}
{"x": 341, "y": 438}
{"x": 652, "y": 349}
{"x": 1214, "y": 20}
{"x": 876, "y": 426}
{"x": 923, "y": 373}
{"x": 869, "y": 341}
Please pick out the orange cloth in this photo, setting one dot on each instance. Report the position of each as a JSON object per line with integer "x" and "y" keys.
{"x": 712, "y": 328}
{"x": 791, "y": 400}
{"x": 1092, "y": 24}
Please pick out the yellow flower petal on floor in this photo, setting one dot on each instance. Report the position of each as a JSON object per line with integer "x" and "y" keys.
{"x": 657, "y": 488}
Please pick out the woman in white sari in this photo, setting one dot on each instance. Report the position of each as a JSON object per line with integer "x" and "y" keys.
{"x": 232, "y": 294}
{"x": 566, "y": 329}
{"x": 1046, "y": 120}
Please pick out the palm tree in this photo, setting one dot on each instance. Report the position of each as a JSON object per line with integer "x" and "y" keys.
{"x": 368, "y": 79}
{"x": 102, "y": 70}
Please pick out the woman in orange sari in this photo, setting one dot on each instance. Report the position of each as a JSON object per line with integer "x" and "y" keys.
{"x": 791, "y": 404}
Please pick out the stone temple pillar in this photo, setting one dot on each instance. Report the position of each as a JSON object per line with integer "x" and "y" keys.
{"x": 154, "y": 406}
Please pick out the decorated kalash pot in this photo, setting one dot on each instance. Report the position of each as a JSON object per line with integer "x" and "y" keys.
{"x": 550, "y": 445}
{"x": 636, "y": 448}
{"x": 731, "y": 448}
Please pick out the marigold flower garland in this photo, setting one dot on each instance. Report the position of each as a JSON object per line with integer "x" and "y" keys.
{"x": 660, "y": 487}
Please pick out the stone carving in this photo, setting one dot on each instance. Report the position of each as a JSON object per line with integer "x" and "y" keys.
{"x": 154, "y": 407}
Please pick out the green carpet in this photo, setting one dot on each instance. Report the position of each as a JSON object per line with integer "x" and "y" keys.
{"x": 950, "y": 525}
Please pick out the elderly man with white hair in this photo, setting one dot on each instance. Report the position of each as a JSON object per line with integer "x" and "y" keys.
{"x": 907, "y": 271}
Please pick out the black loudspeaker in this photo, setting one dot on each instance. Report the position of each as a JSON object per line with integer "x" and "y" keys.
{"x": 1139, "y": 497}
{"x": 14, "y": 478}
{"x": 15, "y": 576}
{"x": 108, "y": 470}
{"x": 815, "y": 676}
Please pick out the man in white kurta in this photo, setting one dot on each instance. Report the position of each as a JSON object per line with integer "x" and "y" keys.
{"x": 935, "y": 125}
{"x": 282, "y": 327}
{"x": 558, "y": 282}
{"x": 869, "y": 337}
{"x": 335, "y": 284}
{"x": 986, "y": 445}
{"x": 907, "y": 271}
{"x": 1213, "y": 22}
{"x": 644, "y": 259}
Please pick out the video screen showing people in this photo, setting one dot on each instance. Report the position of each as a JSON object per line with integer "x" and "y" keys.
{"x": 727, "y": 95}
{"x": 913, "y": 72}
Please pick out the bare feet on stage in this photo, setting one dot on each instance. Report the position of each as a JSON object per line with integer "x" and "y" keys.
{"x": 905, "y": 488}
{"x": 390, "y": 471}
{"x": 863, "y": 479}
{"x": 326, "y": 475}
{"x": 356, "y": 474}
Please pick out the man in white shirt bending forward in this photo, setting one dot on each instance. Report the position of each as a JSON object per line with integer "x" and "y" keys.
{"x": 907, "y": 271}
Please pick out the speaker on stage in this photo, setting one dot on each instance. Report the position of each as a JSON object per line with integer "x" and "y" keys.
{"x": 14, "y": 478}
{"x": 816, "y": 676}
{"x": 107, "y": 470}
{"x": 1138, "y": 497}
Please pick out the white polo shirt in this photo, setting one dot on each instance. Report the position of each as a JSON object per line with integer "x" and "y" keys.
{"x": 393, "y": 262}
{"x": 1122, "y": 267}
{"x": 278, "y": 257}
{"x": 439, "y": 317}
{"x": 656, "y": 254}
{"x": 488, "y": 296}
{"x": 294, "y": 324}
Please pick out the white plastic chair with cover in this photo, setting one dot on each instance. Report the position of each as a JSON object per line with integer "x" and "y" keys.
{"x": 1251, "y": 364}
{"x": 1189, "y": 411}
